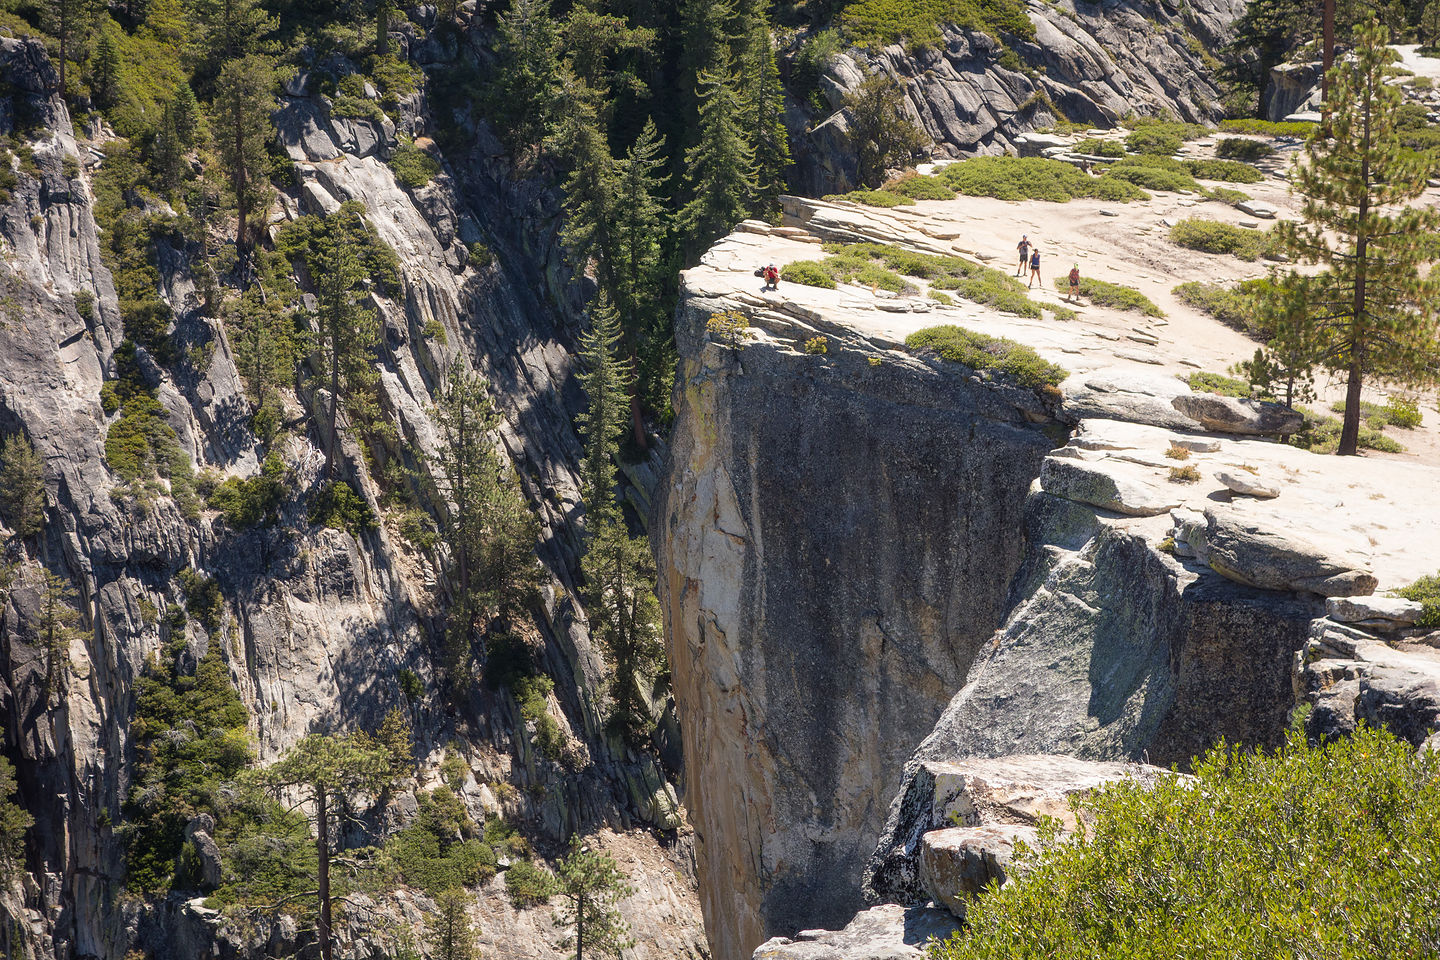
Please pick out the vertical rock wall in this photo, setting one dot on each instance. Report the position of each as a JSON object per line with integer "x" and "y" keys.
{"x": 835, "y": 541}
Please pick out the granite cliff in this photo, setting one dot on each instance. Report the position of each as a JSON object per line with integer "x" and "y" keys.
{"x": 1033, "y": 543}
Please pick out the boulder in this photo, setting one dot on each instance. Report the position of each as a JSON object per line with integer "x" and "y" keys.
{"x": 957, "y": 863}
{"x": 1106, "y": 485}
{"x": 1362, "y": 610}
{"x": 1241, "y": 481}
{"x": 1239, "y": 549}
{"x": 1232, "y": 415}
{"x": 1124, "y": 395}
{"x": 886, "y": 932}
{"x": 1035, "y": 144}
{"x": 206, "y": 851}
{"x": 1196, "y": 444}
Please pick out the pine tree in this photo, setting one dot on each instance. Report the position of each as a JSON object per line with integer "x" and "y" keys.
{"x": 605, "y": 380}
{"x": 452, "y": 935}
{"x": 1372, "y": 310}
{"x": 590, "y": 883}
{"x": 14, "y": 821}
{"x": 764, "y": 97}
{"x": 880, "y": 129}
{"x": 1429, "y": 26}
{"x": 347, "y": 331}
{"x": 528, "y": 71}
{"x": 243, "y": 103}
{"x": 228, "y": 30}
{"x": 705, "y": 38}
{"x": 488, "y": 526}
{"x": 590, "y": 187}
{"x": 383, "y": 10}
{"x": 266, "y": 346}
{"x": 69, "y": 22}
{"x": 104, "y": 72}
{"x": 722, "y": 164}
{"x": 328, "y": 772}
{"x": 22, "y": 487}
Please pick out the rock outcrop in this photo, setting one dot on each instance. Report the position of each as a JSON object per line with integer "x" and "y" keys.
{"x": 1089, "y": 63}
{"x": 835, "y": 541}
{"x": 316, "y": 625}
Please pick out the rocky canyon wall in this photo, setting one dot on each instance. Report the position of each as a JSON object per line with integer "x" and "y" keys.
{"x": 836, "y": 540}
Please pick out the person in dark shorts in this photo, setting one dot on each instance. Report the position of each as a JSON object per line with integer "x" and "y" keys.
{"x": 1074, "y": 283}
{"x": 772, "y": 278}
{"x": 1035, "y": 269}
{"x": 1024, "y": 247}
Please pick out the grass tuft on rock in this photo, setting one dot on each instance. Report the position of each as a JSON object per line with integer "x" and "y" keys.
{"x": 874, "y": 198}
{"x": 920, "y": 187}
{"x": 981, "y": 352}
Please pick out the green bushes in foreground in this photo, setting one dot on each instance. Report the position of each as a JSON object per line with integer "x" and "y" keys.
{"x": 1307, "y": 851}
{"x": 1105, "y": 294}
{"x": 1211, "y": 236}
{"x": 981, "y": 352}
{"x": 1321, "y": 434}
{"x": 1268, "y": 128}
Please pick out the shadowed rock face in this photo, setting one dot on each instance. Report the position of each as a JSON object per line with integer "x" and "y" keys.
{"x": 835, "y": 542}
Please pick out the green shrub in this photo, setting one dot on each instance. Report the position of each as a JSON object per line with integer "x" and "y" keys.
{"x": 435, "y": 330}
{"x": 1403, "y": 412}
{"x": 1153, "y": 140}
{"x": 245, "y": 503}
{"x": 1426, "y": 592}
{"x": 874, "y": 198}
{"x": 1095, "y": 147}
{"x": 1268, "y": 128}
{"x": 809, "y": 273}
{"x": 480, "y": 255}
{"x": 85, "y": 304}
{"x": 528, "y": 885}
{"x": 350, "y": 101}
{"x": 1106, "y": 294}
{"x": 530, "y": 693}
{"x": 299, "y": 241}
{"x": 1032, "y": 178}
{"x": 919, "y": 187}
{"x": 981, "y": 352}
{"x": 1227, "y": 196}
{"x": 340, "y": 506}
{"x": 1307, "y": 851}
{"x": 413, "y": 167}
{"x": 1211, "y": 236}
{"x": 1232, "y": 306}
{"x": 1237, "y": 148}
{"x": 1229, "y": 171}
{"x": 1321, "y": 434}
{"x": 1152, "y": 177}
{"x": 942, "y": 298}
{"x": 817, "y": 346}
{"x": 416, "y": 528}
{"x": 203, "y": 602}
{"x": 876, "y": 23}
{"x": 1062, "y": 313}
{"x": 438, "y": 850}
{"x": 411, "y": 686}
{"x": 1203, "y": 382}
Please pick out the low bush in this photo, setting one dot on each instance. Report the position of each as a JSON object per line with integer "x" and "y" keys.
{"x": 1323, "y": 849}
{"x": 1232, "y": 306}
{"x": 1403, "y": 412}
{"x": 1229, "y": 171}
{"x": 528, "y": 885}
{"x": 1153, "y": 177}
{"x": 1426, "y": 592}
{"x": 1062, "y": 313}
{"x": 919, "y": 187}
{"x": 981, "y": 352}
{"x": 1204, "y": 382}
{"x": 1268, "y": 128}
{"x": 413, "y": 167}
{"x": 340, "y": 506}
{"x": 254, "y": 500}
{"x": 1033, "y": 178}
{"x": 1105, "y": 294}
{"x": 1096, "y": 147}
{"x": 1186, "y": 474}
{"x": 1321, "y": 434}
{"x": 1227, "y": 196}
{"x": 817, "y": 346}
{"x": 875, "y": 23}
{"x": 1211, "y": 236}
{"x": 480, "y": 255}
{"x": 874, "y": 198}
{"x": 1177, "y": 452}
{"x": 809, "y": 273}
{"x": 1153, "y": 140}
{"x": 1238, "y": 148}
{"x": 531, "y": 693}
{"x": 439, "y": 851}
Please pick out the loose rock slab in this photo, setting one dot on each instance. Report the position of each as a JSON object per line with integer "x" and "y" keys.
{"x": 957, "y": 863}
{"x": 886, "y": 932}
{"x": 1250, "y": 485}
{"x": 1107, "y": 486}
{"x": 1246, "y": 553}
{"x": 1362, "y": 609}
{"x": 1232, "y": 415}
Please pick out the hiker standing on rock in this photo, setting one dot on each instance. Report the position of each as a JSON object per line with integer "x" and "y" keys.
{"x": 1074, "y": 283}
{"x": 1024, "y": 247}
{"x": 1035, "y": 269}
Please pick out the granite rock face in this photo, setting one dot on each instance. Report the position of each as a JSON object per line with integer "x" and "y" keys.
{"x": 1095, "y": 63}
{"x": 835, "y": 540}
{"x": 886, "y": 932}
{"x": 316, "y": 624}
